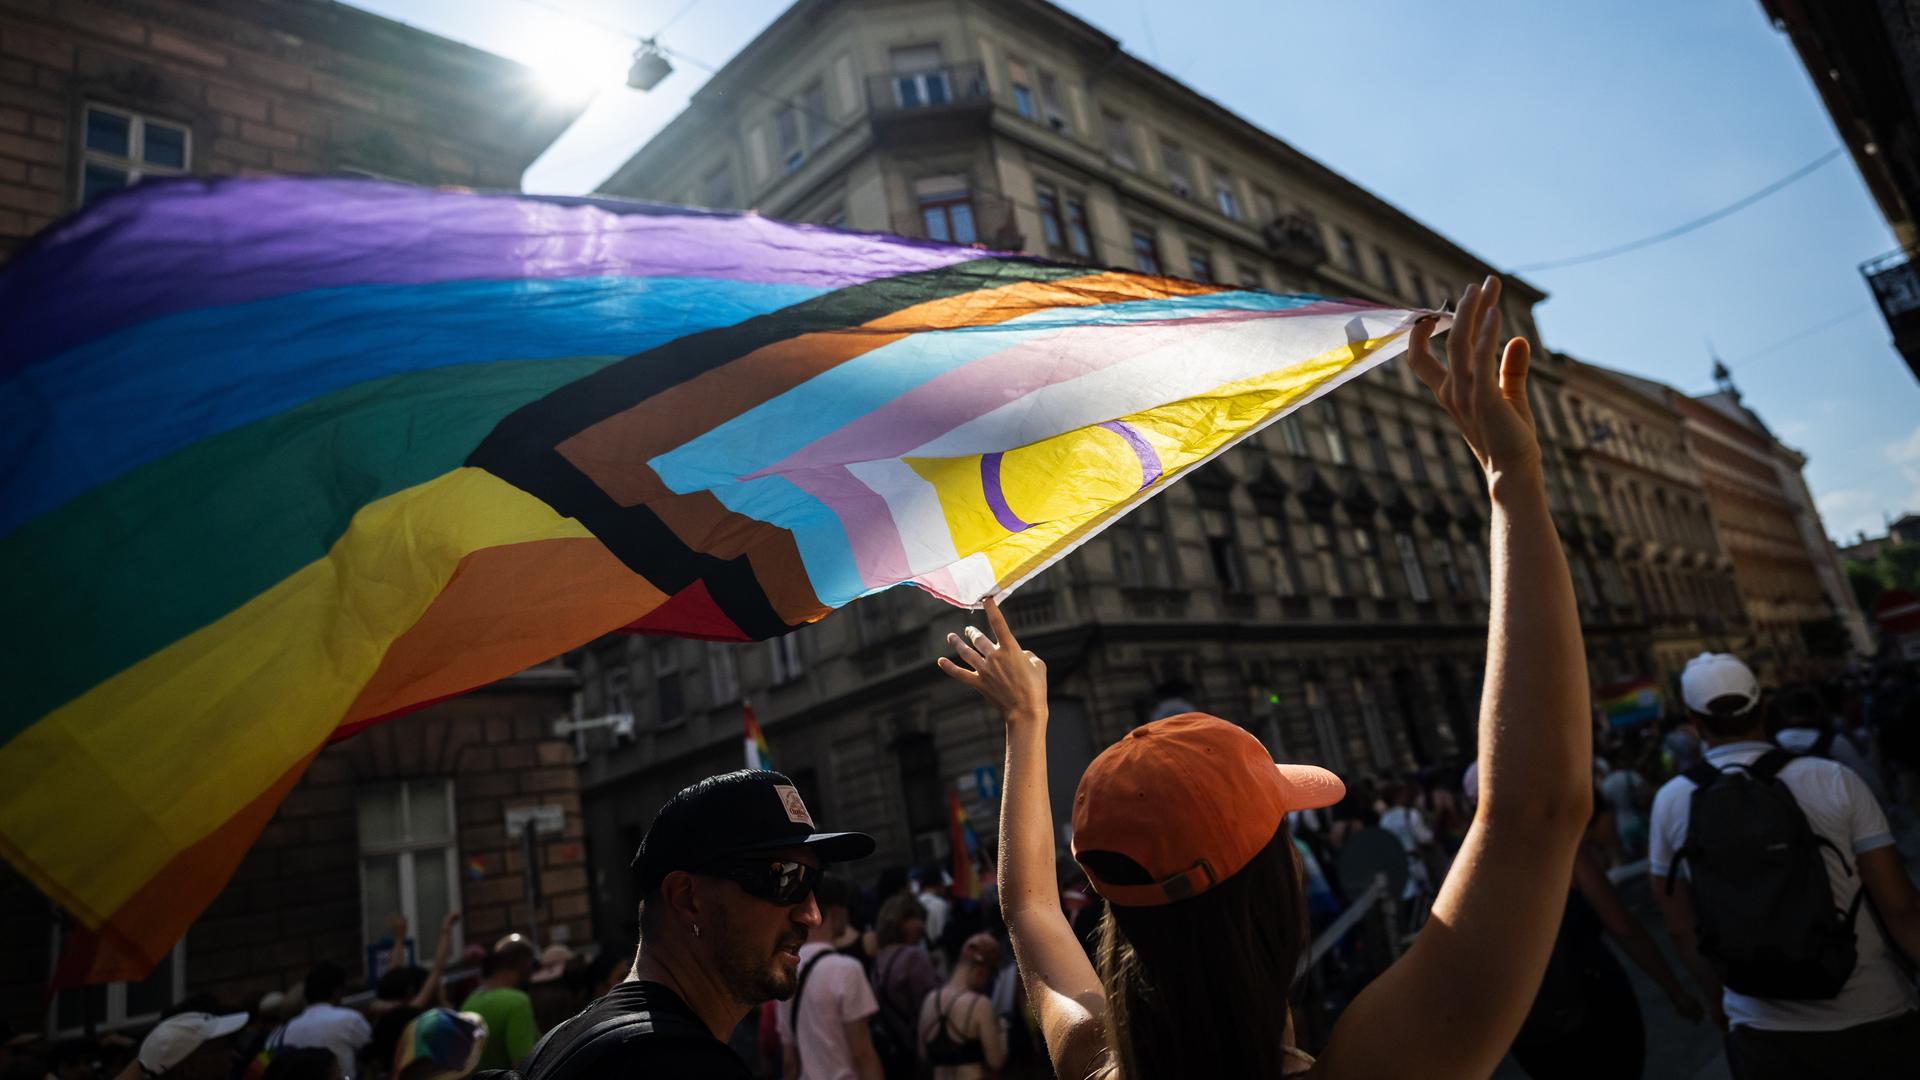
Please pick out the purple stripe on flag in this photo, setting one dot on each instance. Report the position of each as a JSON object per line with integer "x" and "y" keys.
{"x": 1149, "y": 460}
{"x": 281, "y": 235}
{"x": 997, "y": 499}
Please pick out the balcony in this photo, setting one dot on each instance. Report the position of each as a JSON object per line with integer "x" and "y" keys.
{"x": 952, "y": 94}
{"x": 1895, "y": 280}
{"x": 1296, "y": 239}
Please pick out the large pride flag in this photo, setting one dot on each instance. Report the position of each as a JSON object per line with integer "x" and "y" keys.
{"x": 281, "y": 458}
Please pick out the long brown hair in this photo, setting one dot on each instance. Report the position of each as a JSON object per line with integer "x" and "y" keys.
{"x": 1199, "y": 987}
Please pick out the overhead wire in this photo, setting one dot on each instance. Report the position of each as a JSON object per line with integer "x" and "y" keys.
{"x": 1681, "y": 230}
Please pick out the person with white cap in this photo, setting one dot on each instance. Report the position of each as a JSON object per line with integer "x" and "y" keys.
{"x": 1181, "y": 825}
{"x": 190, "y": 1046}
{"x": 1761, "y": 861}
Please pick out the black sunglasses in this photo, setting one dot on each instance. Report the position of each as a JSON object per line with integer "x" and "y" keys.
{"x": 776, "y": 882}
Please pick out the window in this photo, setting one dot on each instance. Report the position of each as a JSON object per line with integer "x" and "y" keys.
{"x": 1145, "y": 555}
{"x": 1279, "y": 549}
{"x": 618, "y": 701}
{"x": 1217, "y": 522}
{"x": 1376, "y": 444}
{"x": 921, "y": 783}
{"x": 1416, "y": 451}
{"x": 409, "y": 862}
{"x": 1349, "y": 250}
{"x": 1063, "y": 222}
{"x": 1369, "y": 560}
{"x": 1146, "y": 250}
{"x": 1384, "y": 261}
{"x": 1023, "y": 99}
{"x": 1410, "y": 566}
{"x": 122, "y": 148}
{"x": 1292, "y": 435}
{"x": 1179, "y": 173}
{"x": 1079, "y": 235}
{"x": 1583, "y": 590}
{"x": 1051, "y": 98}
{"x": 783, "y": 656}
{"x": 717, "y": 191}
{"x": 792, "y": 153}
{"x": 1476, "y": 569}
{"x": 1199, "y": 262}
{"x": 666, "y": 682}
{"x": 1449, "y": 570}
{"x": 836, "y": 218}
{"x": 918, "y": 78}
{"x": 813, "y": 103}
{"x": 1250, "y": 275}
{"x": 1052, "y": 225}
{"x": 1332, "y": 574}
{"x": 1119, "y": 139}
{"x": 1417, "y": 286}
{"x": 1223, "y": 193}
{"x": 1330, "y": 430}
{"x": 947, "y": 214}
{"x": 1382, "y": 753}
{"x": 1324, "y": 731}
{"x": 723, "y": 673}
{"x": 1265, "y": 209}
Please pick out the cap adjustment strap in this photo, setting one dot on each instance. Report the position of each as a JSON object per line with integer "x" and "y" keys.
{"x": 1192, "y": 881}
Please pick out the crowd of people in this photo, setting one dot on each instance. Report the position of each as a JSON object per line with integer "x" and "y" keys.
{"x": 1172, "y": 943}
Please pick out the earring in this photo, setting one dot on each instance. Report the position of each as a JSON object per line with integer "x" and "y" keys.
{"x": 696, "y": 929}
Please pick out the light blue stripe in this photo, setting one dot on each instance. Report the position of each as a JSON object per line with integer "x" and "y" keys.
{"x": 770, "y": 432}
{"x": 825, "y": 549}
{"x": 102, "y": 409}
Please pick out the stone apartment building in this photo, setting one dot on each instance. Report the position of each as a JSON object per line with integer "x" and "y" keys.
{"x": 1796, "y": 619}
{"x": 409, "y": 816}
{"x": 1324, "y": 584}
{"x": 1657, "y": 546}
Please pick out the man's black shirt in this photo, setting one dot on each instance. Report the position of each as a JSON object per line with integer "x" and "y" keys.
{"x": 669, "y": 1042}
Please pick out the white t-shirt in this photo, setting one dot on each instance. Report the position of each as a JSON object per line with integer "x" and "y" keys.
{"x": 1840, "y": 808}
{"x": 330, "y": 1027}
{"x": 1801, "y": 739}
{"x": 837, "y": 993}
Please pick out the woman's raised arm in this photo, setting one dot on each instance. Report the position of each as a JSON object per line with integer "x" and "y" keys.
{"x": 1061, "y": 984}
{"x": 1457, "y": 998}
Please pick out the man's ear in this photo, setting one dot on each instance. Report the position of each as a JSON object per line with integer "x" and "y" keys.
{"x": 682, "y": 897}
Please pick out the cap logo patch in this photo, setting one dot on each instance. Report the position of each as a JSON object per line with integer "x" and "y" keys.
{"x": 796, "y": 809}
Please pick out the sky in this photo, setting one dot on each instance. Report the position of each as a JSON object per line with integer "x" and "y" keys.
{"x": 1524, "y": 132}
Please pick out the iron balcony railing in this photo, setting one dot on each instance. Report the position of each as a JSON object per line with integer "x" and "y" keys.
{"x": 932, "y": 88}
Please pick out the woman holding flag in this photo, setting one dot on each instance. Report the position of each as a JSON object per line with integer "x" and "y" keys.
{"x": 1181, "y": 826}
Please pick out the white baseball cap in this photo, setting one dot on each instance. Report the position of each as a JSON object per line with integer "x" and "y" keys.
{"x": 179, "y": 1036}
{"x": 1711, "y": 676}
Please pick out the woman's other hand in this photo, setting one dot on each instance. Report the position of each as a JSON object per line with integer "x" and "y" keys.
{"x": 1482, "y": 386}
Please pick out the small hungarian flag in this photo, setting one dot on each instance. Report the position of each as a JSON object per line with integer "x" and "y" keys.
{"x": 966, "y": 847}
{"x": 756, "y": 741}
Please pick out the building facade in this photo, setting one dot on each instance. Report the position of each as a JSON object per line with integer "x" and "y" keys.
{"x": 97, "y": 94}
{"x": 1656, "y": 544}
{"x": 408, "y": 817}
{"x": 1324, "y": 584}
{"x": 1795, "y": 629}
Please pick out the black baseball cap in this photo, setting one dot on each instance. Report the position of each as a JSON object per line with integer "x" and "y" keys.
{"x": 738, "y": 813}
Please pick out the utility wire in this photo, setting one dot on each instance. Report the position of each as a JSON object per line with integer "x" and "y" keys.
{"x": 1682, "y": 230}
{"x": 668, "y": 25}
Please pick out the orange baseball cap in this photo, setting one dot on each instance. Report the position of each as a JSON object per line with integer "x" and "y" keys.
{"x": 1192, "y": 799}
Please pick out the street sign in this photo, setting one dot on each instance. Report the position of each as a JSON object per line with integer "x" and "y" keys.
{"x": 986, "y": 779}
{"x": 551, "y": 818}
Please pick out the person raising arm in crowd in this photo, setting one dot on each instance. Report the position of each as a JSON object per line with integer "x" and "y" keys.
{"x": 1181, "y": 826}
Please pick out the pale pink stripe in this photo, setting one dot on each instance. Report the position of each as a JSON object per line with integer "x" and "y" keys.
{"x": 956, "y": 397}
{"x": 878, "y": 552}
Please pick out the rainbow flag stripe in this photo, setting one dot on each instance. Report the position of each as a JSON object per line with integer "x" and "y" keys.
{"x": 1628, "y": 703}
{"x": 286, "y": 457}
{"x": 755, "y": 741}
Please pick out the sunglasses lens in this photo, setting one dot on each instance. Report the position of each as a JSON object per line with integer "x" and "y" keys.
{"x": 792, "y": 882}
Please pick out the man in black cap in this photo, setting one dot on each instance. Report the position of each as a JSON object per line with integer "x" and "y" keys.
{"x": 726, "y": 877}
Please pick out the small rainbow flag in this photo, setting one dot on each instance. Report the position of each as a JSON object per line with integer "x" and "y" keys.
{"x": 476, "y": 868}
{"x": 758, "y": 756}
{"x": 966, "y": 848}
{"x": 1630, "y": 703}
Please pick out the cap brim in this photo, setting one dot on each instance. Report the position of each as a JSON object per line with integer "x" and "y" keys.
{"x": 828, "y": 847}
{"x": 223, "y": 1026}
{"x": 1310, "y": 787}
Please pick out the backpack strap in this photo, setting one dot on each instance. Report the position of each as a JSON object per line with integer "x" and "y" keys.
{"x": 1823, "y": 746}
{"x": 1768, "y": 765}
{"x": 604, "y": 1037}
{"x": 1703, "y": 774}
{"x": 793, "y": 1016}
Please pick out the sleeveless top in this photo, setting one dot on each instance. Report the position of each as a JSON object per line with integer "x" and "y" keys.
{"x": 944, "y": 1045}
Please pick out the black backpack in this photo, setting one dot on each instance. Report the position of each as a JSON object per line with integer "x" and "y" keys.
{"x": 893, "y": 1034}
{"x": 1767, "y": 922}
{"x": 601, "y": 1041}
